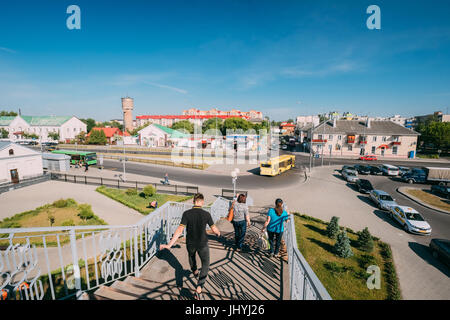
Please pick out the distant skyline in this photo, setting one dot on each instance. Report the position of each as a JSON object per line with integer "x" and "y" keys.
{"x": 284, "y": 58}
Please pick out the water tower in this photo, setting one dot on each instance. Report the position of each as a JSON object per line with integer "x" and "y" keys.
{"x": 127, "y": 108}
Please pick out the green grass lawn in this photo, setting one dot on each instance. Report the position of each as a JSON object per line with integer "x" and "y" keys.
{"x": 138, "y": 201}
{"x": 345, "y": 278}
{"x": 426, "y": 196}
{"x": 65, "y": 213}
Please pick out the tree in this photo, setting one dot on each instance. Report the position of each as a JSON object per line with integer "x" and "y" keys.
{"x": 212, "y": 124}
{"x": 90, "y": 123}
{"x": 290, "y": 121}
{"x": 4, "y": 133}
{"x": 342, "y": 247}
{"x": 51, "y": 218}
{"x": 81, "y": 138}
{"x": 136, "y": 130}
{"x": 333, "y": 228}
{"x": 435, "y": 133}
{"x": 54, "y": 135}
{"x": 30, "y": 135}
{"x": 97, "y": 137}
{"x": 8, "y": 113}
{"x": 183, "y": 124}
{"x": 235, "y": 123}
{"x": 365, "y": 240}
{"x": 149, "y": 190}
{"x": 85, "y": 211}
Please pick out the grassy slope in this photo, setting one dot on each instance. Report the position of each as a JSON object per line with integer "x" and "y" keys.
{"x": 138, "y": 202}
{"x": 343, "y": 278}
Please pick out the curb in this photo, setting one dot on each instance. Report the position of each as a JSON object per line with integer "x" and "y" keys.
{"x": 420, "y": 202}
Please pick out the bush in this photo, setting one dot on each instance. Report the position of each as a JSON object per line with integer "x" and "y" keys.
{"x": 10, "y": 224}
{"x": 68, "y": 223}
{"x": 366, "y": 260}
{"x": 85, "y": 212}
{"x": 149, "y": 190}
{"x": 131, "y": 192}
{"x": 342, "y": 247}
{"x": 61, "y": 203}
{"x": 365, "y": 241}
{"x": 333, "y": 228}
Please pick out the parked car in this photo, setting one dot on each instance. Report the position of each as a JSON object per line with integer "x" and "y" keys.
{"x": 389, "y": 170}
{"x": 368, "y": 158}
{"x": 349, "y": 175}
{"x": 440, "y": 248}
{"x": 350, "y": 168}
{"x": 375, "y": 170}
{"x": 362, "y": 169}
{"x": 382, "y": 199}
{"x": 403, "y": 170}
{"x": 364, "y": 186}
{"x": 443, "y": 191}
{"x": 410, "y": 219}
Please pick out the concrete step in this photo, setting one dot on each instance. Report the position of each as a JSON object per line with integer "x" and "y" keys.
{"x": 109, "y": 293}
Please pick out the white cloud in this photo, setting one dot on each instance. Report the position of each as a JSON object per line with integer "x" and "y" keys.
{"x": 166, "y": 87}
{"x": 7, "y": 50}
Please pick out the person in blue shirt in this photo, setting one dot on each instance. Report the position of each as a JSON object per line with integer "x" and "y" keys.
{"x": 275, "y": 226}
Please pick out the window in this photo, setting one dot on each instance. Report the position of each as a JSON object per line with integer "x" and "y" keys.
{"x": 384, "y": 139}
{"x": 374, "y": 139}
{"x": 395, "y": 138}
{"x": 350, "y": 148}
{"x": 373, "y": 149}
{"x": 330, "y": 137}
{"x": 394, "y": 150}
{"x": 11, "y": 152}
{"x": 320, "y": 137}
{"x": 339, "y": 137}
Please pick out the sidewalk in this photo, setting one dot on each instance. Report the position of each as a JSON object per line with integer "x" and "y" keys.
{"x": 327, "y": 157}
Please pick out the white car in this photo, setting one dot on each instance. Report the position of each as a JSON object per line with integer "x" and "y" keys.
{"x": 410, "y": 219}
{"x": 349, "y": 175}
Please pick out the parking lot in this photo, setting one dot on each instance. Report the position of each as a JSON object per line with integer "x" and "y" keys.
{"x": 421, "y": 276}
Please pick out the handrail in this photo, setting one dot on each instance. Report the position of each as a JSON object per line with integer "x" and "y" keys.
{"x": 103, "y": 254}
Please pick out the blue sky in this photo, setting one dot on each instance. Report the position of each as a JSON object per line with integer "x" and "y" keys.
{"x": 285, "y": 58}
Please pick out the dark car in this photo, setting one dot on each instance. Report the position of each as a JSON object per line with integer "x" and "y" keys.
{"x": 364, "y": 186}
{"x": 442, "y": 191}
{"x": 375, "y": 170}
{"x": 362, "y": 169}
{"x": 403, "y": 170}
{"x": 440, "y": 248}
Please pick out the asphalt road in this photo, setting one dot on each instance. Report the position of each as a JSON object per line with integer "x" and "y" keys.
{"x": 204, "y": 178}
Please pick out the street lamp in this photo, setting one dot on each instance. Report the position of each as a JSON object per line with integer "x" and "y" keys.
{"x": 234, "y": 175}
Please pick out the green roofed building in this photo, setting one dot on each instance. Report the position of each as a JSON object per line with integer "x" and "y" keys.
{"x": 156, "y": 135}
{"x": 18, "y": 127}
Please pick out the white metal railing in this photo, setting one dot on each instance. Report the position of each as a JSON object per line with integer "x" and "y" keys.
{"x": 64, "y": 262}
{"x": 304, "y": 284}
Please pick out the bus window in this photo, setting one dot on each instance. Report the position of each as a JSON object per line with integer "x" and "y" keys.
{"x": 265, "y": 165}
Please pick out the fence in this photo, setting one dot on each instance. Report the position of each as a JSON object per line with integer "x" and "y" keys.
{"x": 304, "y": 284}
{"x": 24, "y": 183}
{"x": 117, "y": 183}
{"x": 190, "y": 165}
{"x": 230, "y": 193}
{"x": 64, "y": 262}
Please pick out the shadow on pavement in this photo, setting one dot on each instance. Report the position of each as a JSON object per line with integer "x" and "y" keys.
{"x": 254, "y": 171}
{"x": 384, "y": 215}
{"x": 425, "y": 253}
{"x": 367, "y": 200}
{"x": 180, "y": 273}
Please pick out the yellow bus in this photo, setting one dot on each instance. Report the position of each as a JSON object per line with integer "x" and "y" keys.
{"x": 277, "y": 165}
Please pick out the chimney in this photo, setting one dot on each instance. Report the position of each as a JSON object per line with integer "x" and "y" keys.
{"x": 368, "y": 122}
{"x": 334, "y": 122}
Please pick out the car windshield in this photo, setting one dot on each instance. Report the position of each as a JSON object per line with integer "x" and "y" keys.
{"x": 350, "y": 173}
{"x": 386, "y": 197}
{"x": 414, "y": 216}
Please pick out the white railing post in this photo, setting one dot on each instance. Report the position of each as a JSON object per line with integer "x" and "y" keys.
{"x": 136, "y": 254}
{"x": 76, "y": 267}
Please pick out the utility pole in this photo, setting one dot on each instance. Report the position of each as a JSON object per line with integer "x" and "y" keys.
{"x": 323, "y": 138}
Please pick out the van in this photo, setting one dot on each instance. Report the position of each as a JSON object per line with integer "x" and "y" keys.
{"x": 389, "y": 170}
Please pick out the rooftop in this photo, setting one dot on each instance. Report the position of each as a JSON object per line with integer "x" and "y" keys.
{"x": 37, "y": 120}
{"x": 381, "y": 127}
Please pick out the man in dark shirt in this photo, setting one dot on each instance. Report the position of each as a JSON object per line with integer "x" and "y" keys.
{"x": 195, "y": 221}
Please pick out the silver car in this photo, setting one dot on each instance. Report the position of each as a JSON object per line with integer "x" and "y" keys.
{"x": 349, "y": 175}
{"x": 382, "y": 199}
